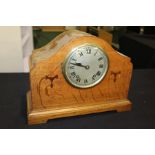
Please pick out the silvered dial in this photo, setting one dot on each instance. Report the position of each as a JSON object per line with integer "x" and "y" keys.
{"x": 85, "y": 66}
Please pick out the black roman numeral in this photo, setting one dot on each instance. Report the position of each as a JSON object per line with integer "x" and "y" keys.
{"x": 73, "y": 74}
{"x": 88, "y": 50}
{"x": 98, "y": 73}
{"x": 85, "y": 81}
{"x": 72, "y": 67}
{"x": 101, "y": 66}
{"x": 81, "y": 54}
{"x": 78, "y": 79}
{"x": 94, "y": 76}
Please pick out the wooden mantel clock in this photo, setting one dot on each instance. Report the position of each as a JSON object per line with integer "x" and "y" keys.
{"x": 75, "y": 74}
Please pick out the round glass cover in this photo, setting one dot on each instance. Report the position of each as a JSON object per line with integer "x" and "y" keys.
{"x": 85, "y": 66}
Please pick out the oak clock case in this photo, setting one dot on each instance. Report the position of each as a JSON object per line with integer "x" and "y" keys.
{"x": 85, "y": 66}
{"x": 76, "y": 74}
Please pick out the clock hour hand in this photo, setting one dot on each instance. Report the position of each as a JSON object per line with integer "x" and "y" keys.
{"x": 80, "y": 65}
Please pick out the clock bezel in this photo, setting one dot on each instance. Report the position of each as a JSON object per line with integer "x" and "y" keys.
{"x": 67, "y": 58}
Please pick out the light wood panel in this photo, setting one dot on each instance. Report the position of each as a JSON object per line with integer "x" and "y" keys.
{"x": 51, "y": 96}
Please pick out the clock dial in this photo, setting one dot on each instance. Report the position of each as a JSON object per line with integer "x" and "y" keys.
{"x": 85, "y": 66}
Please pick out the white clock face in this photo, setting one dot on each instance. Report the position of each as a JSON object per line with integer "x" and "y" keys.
{"x": 85, "y": 66}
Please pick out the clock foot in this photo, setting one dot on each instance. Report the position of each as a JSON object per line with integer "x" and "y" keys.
{"x": 123, "y": 108}
{"x": 36, "y": 121}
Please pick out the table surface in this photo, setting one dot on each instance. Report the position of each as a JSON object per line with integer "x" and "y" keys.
{"x": 142, "y": 94}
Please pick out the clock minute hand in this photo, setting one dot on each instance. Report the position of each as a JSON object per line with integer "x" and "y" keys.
{"x": 80, "y": 65}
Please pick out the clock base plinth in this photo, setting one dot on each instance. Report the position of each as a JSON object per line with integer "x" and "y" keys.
{"x": 42, "y": 116}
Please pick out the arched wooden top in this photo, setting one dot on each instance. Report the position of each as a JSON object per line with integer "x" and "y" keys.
{"x": 64, "y": 42}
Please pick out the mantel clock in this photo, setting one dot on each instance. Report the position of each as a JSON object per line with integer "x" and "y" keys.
{"x": 75, "y": 74}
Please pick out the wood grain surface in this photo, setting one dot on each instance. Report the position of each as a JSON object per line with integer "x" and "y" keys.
{"x": 51, "y": 96}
